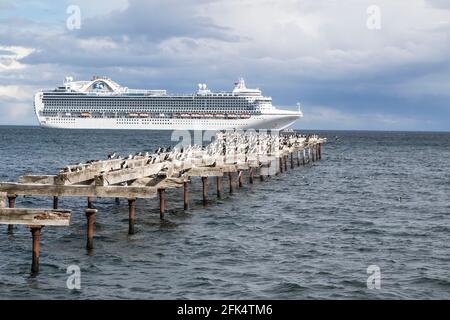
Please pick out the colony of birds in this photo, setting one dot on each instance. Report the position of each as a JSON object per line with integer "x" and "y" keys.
{"x": 228, "y": 147}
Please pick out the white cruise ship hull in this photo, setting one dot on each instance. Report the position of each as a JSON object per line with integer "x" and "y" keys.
{"x": 266, "y": 121}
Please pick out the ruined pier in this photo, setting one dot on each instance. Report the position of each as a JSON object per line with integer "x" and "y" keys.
{"x": 148, "y": 175}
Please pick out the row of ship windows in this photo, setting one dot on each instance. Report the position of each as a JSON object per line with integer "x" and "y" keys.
{"x": 135, "y": 121}
{"x": 109, "y": 101}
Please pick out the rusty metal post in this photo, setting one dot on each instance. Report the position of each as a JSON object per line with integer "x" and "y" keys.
{"x": 131, "y": 213}
{"x": 90, "y": 216}
{"x": 55, "y": 202}
{"x": 230, "y": 180}
{"x": 240, "y": 175}
{"x": 36, "y": 234}
{"x": 205, "y": 190}
{"x": 219, "y": 186}
{"x": 250, "y": 175}
{"x": 90, "y": 205}
{"x": 162, "y": 203}
{"x": 186, "y": 195}
{"x": 11, "y": 202}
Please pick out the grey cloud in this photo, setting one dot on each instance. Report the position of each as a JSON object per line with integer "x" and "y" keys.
{"x": 155, "y": 21}
{"x": 442, "y": 4}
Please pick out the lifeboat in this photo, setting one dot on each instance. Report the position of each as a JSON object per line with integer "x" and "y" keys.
{"x": 208, "y": 115}
{"x": 162, "y": 115}
{"x": 185, "y": 115}
{"x": 232, "y": 115}
{"x": 133, "y": 115}
{"x": 86, "y": 115}
{"x": 245, "y": 116}
{"x": 143, "y": 115}
{"x": 219, "y": 115}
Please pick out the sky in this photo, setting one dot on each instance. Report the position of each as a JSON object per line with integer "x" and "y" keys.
{"x": 352, "y": 64}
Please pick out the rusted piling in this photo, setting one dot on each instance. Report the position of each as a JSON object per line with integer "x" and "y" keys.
{"x": 35, "y": 219}
{"x": 240, "y": 175}
{"x": 162, "y": 202}
{"x": 90, "y": 217}
{"x": 205, "y": 190}
{"x": 11, "y": 202}
{"x": 55, "y": 202}
{"x": 230, "y": 180}
{"x": 131, "y": 214}
{"x": 186, "y": 195}
{"x": 219, "y": 186}
{"x": 36, "y": 235}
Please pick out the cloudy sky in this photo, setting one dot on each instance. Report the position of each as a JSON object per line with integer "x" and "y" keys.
{"x": 350, "y": 67}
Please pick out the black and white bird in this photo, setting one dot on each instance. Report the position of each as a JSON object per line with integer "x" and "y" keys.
{"x": 112, "y": 155}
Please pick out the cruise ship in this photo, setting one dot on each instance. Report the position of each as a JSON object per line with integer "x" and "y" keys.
{"x": 102, "y": 103}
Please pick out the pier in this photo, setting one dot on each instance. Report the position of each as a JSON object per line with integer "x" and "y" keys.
{"x": 147, "y": 176}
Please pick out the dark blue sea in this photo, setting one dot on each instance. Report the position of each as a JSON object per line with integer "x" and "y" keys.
{"x": 376, "y": 198}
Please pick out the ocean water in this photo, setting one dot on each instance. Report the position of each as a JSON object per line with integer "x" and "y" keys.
{"x": 376, "y": 198}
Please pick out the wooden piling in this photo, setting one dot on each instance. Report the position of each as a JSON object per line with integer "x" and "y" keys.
{"x": 90, "y": 216}
{"x": 250, "y": 175}
{"x": 186, "y": 195}
{"x": 280, "y": 159}
{"x": 131, "y": 214}
{"x": 205, "y": 190}
{"x": 219, "y": 186}
{"x": 298, "y": 158}
{"x": 162, "y": 203}
{"x": 292, "y": 160}
{"x": 36, "y": 235}
{"x": 320, "y": 151}
{"x": 11, "y": 202}
{"x": 285, "y": 163}
{"x": 117, "y": 201}
{"x": 313, "y": 153}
